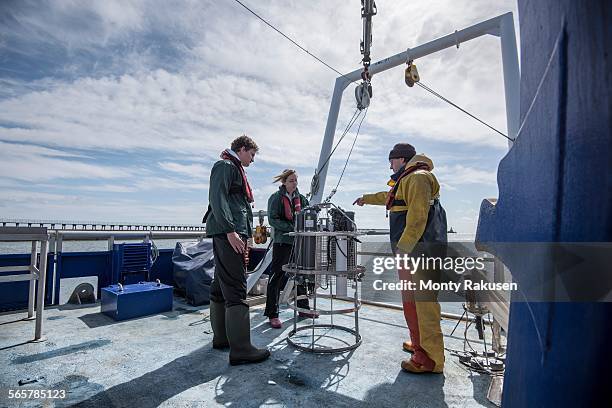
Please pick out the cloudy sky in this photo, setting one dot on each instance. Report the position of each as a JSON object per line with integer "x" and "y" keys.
{"x": 116, "y": 110}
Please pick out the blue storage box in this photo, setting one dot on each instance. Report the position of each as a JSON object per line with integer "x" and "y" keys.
{"x": 136, "y": 300}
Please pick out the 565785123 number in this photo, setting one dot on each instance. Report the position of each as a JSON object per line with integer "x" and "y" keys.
{"x": 36, "y": 394}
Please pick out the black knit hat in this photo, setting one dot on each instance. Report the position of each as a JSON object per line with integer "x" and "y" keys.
{"x": 402, "y": 150}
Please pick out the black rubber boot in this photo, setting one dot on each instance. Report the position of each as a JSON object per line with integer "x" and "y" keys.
{"x": 217, "y": 322}
{"x": 238, "y": 326}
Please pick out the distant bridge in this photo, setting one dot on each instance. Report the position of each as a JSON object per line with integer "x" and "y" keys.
{"x": 62, "y": 225}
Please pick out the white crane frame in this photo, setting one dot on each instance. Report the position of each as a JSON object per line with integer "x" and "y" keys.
{"x": 501, "y": 26}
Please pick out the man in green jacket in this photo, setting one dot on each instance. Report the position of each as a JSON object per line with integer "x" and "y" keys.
{"x": 229, "y": 223}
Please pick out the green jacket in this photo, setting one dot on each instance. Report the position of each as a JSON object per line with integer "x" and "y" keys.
{"x": 276, "y": 216}
{"x": 229, "y": 210}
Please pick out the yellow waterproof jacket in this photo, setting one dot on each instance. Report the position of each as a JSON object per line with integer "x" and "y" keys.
{"x": 418, "y": 190}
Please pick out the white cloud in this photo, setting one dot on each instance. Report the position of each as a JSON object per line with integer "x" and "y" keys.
{"x": 175, "y": 82}
{"x": 109, "y": 188}
{"x": 37, "y": 164}
{"x": 166, "y": 183}
{"x": 164, "y": 111}
{"x": 22, "y": 197}
{"x": 37, "y": 205}
{"x": 194, "y": 171}
{"x": 275, "y": 93}
{"x": 29, "y": 151}
{"x": 463, "y": 175}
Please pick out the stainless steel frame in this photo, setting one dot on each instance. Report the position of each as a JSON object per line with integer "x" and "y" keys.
{"x": 352, "y": 272}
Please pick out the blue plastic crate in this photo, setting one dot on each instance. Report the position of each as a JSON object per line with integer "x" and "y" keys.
{"x": 123, "y": 302}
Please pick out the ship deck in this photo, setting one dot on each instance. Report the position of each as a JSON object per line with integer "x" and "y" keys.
{"x": 167, "y": 360}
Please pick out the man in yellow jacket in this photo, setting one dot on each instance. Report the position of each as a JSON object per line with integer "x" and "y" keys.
{"x": 417, "y": 225}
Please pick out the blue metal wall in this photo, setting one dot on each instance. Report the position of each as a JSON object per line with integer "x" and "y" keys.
{"x": 77, "y": 264}
{"x": 14, "y": 295}
{"x": 555, "y": 185}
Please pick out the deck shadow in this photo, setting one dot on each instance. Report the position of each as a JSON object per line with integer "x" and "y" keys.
{"x": 75, "y": 348}
{"x": 157, "y": 386}
{"x": 23, "y": 343}
{"x": 23, "y": 319}
{"x": 99, "y": 319}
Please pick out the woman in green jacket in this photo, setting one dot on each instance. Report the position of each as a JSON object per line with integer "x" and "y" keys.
{"x": 282, "y": 207}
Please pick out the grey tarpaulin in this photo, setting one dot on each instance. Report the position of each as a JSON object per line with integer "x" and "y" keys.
{"x": 194, "y": 267}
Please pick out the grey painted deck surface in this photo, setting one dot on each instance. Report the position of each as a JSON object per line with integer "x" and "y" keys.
{"x": 168, "y": 360}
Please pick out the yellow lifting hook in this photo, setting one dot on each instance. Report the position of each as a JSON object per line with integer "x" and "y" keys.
{"x": 261, "y": 234}
{"x": 261, "y": 231}
{"x": 411, "y": 75}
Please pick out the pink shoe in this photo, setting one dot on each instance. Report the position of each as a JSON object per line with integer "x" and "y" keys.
{"x": 309, "y": 315}
{"x": 275, "y": 323}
